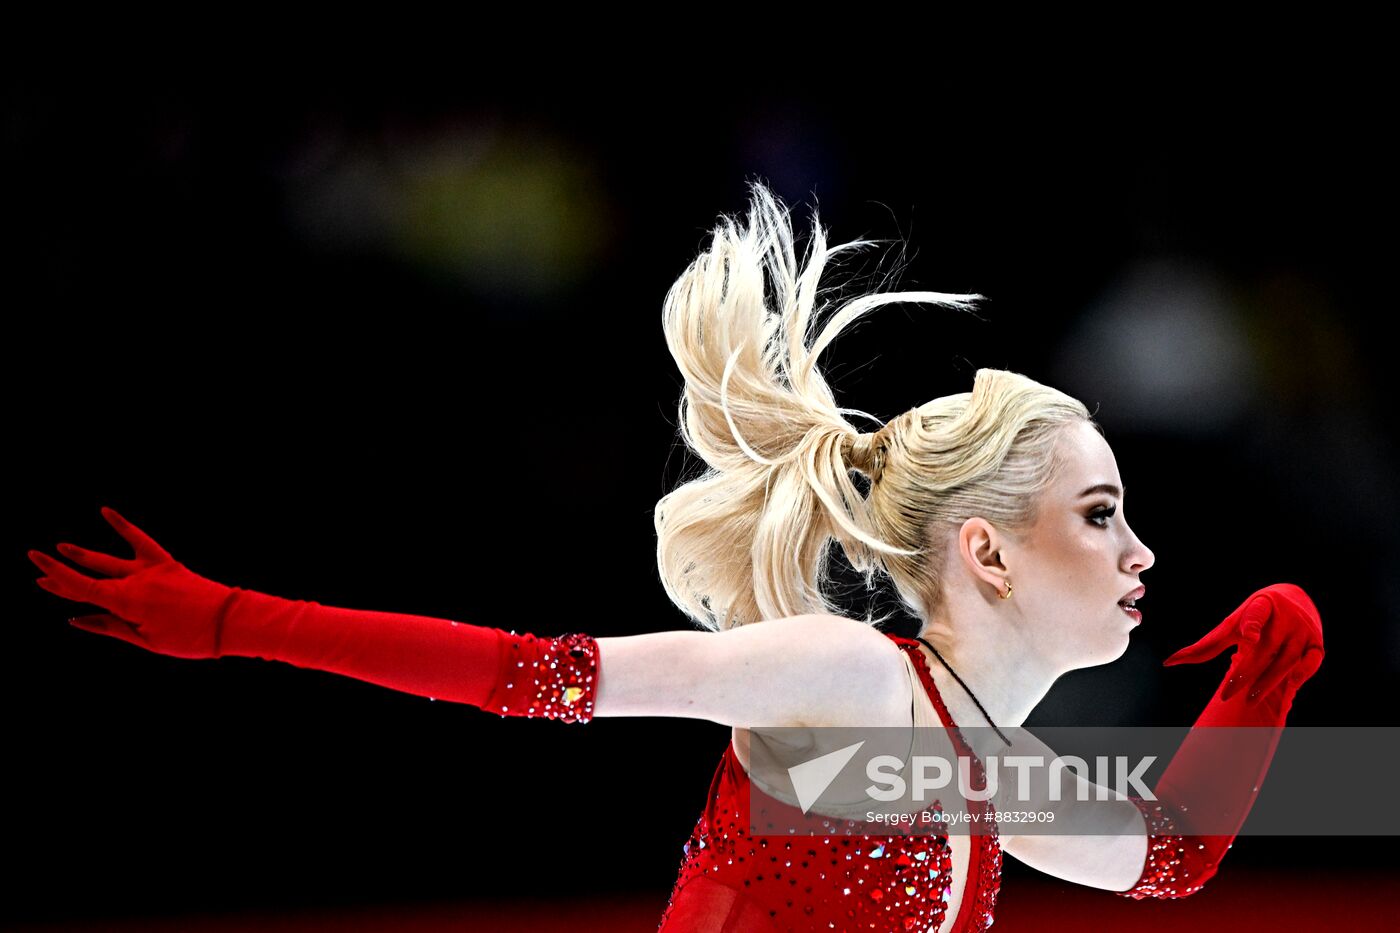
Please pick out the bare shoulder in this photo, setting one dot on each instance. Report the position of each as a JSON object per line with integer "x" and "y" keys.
{"x": 859, "y": 674}
{"x": 857, "y": 637}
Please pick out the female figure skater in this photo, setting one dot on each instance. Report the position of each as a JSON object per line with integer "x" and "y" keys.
{"x": 997, "y": 515}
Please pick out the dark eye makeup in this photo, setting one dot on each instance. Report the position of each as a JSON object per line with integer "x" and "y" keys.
{"x": 1102, "y": 513}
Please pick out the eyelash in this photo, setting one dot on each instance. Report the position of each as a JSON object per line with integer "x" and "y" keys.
{"x": 1104, "y": 513}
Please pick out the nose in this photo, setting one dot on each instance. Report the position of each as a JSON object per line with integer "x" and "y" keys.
{"x": 1140, "y": 556}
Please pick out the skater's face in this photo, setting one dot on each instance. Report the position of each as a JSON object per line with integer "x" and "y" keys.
{"x": 1079, "y": 559}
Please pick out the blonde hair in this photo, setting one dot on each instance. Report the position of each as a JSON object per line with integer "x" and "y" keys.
{"x": 749, "y": 538}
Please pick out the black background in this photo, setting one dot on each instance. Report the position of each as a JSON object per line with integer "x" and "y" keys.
{"x": 317, "y": 417}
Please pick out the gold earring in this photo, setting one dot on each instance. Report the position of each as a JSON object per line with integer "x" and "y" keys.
{"x": 1007, "y": 594}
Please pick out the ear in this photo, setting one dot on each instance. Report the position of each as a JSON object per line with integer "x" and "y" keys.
{"x": 979, "y": 544}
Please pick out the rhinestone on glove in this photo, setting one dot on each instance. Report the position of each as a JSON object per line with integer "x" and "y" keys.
{"x": 1167, "y": 872}
{"x": 550, "y": 678}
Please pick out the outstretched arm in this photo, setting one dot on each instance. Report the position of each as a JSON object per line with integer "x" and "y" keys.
{"x": 804, "y": 670}
{"x": 1170, "y": 847}
{"x": 799, "y": 671}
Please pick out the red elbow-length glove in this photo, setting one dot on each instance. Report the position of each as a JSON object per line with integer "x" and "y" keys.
{"x": 156, "y": 602}
{"x": 1212, "y": 781}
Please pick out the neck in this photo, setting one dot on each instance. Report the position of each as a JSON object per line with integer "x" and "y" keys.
{"x": 1008, "y": 675}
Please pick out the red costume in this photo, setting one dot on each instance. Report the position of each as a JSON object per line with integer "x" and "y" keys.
{"x": 729, "y": 881}
{"x": 734, "y": 882}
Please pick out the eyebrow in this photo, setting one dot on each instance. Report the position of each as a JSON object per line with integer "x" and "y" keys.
{"x": 1109, "y": 488}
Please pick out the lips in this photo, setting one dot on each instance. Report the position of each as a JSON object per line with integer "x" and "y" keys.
{"x": 1129, "y": 603}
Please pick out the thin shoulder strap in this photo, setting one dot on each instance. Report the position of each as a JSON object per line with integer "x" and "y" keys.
{"x": 964, "y": 747}
{"x": 983, "y": 710}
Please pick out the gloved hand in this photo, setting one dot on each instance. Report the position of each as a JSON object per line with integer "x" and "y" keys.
{"x": 1211, "y": 783}
{"x": 1278, "y": 636}
{"x": 156, "y": 602}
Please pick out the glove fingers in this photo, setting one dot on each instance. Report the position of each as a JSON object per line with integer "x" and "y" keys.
{"x": 94, "y": 560}
{"x": 1244, "y": 627}
{"x": 62, "y": 580}
{"x": 1252, "y": 616}
{"x": 104, "y": 623}
{"x": 1299, "y": 603}
{"x": 1219, "y": 638}
{"x": 1307, "y": 665}
{"x": 144, "y": 545}
{"x": 1245, "y": 670}
{"x": 1291, "y": 592}
{"x": 93, "y": 623}
{"x": 1278, "y": 669}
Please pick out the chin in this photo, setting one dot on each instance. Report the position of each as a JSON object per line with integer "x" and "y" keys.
{"x": 1108, "y": 650}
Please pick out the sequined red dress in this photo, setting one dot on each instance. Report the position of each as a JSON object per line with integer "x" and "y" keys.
{"x": 734, "y": 881}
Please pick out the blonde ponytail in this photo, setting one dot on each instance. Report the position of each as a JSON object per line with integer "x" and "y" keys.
{"x": 749, "y": 539}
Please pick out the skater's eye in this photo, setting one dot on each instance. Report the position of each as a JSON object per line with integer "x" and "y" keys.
{"x": 1103, "y": 514}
